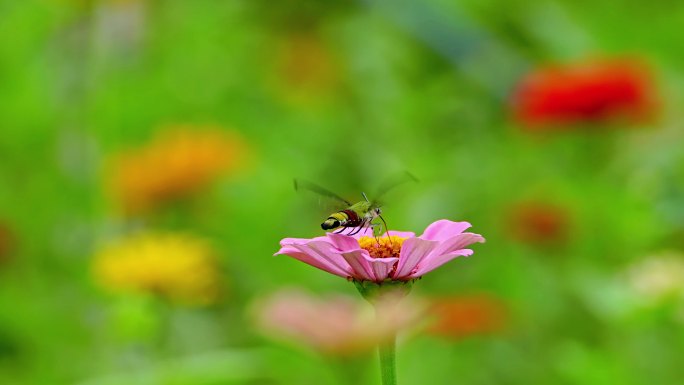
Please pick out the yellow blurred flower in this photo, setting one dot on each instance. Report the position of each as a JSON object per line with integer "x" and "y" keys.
{"x": 176, "y": 163}
{"x": 178, "y": 267}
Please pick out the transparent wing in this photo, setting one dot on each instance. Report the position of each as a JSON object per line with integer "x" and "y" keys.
{"x": 300, "y": 184}
{"x": 392, "y": 182}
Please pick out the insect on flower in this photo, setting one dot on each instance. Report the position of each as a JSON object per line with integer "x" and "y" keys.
{"x": 359, "y": 216}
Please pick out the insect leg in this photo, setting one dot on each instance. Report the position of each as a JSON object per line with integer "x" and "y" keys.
{"x": 361, "y": 226}
{"x": 368, "y": 226}
{"x": 386, "y": 229}
{"x": 340, "y": 230}
{"x": 351, "y": 231}
{"x": 372, "y": 226}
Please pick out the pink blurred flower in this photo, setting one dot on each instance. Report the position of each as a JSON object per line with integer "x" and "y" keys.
{"x": 334, "y": 324}
{"x": 401, "y": 257}
{"x": 591, "y": 92}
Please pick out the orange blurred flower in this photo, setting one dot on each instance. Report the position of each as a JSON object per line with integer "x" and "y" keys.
{"x": 335, "y": 324}
{"x": 462, "y": 316}
{"x": 305, "y": 69}
{"x": 7, "y": 244}
{"x": 539, "y": 223}
{"x": 177, "y": 267}
{"x": 177, "y": 162}
{"x": 590, "y": 92}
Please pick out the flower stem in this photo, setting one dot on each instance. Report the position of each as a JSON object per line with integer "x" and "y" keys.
{"x": 374, "y": 292}
{"x": 388, "y": 367}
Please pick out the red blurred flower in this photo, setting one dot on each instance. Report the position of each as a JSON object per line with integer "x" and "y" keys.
{"x": 589, "y": 92}
{"x": 539, "y": 222}
{"x": 462, "y": 316}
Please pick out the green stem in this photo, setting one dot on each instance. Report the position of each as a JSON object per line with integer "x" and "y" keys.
{"x": 388, "y": 365}
{"x": 372, "y": 292}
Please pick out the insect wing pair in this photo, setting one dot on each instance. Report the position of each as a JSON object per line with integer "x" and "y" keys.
{"x": 355, "y": 217}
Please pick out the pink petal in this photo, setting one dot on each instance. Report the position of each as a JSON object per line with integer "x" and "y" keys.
{"x": 413, "y": 251}
{"x": 458, "y": 242}
{"x": 382, "y": 267}
{"x": 401, "y": 234}
{"x": 319, "y": 254}
{"x": 309, "y": 260}
{"x": 299, "y": 241}
{"x": 343, "y": 242}
{"x": 444, "y": 229}
{"x": 359, "y": 262}
{"x": 368, "y": 268}
{"x": 432, "y": 263}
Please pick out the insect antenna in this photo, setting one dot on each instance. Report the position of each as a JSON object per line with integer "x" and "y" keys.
{"x": 365, "y": 197}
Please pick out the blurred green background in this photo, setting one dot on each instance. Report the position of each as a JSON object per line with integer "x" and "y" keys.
{"x": 191, "y": 118}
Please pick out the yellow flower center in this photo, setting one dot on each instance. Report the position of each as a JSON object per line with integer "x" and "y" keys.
{"x": 385, "y": 247}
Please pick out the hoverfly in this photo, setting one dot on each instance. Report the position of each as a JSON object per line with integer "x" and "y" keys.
{"x": 354, "y": 217}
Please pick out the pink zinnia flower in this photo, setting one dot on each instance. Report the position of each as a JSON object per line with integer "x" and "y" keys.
{"x": 400, "y": 257}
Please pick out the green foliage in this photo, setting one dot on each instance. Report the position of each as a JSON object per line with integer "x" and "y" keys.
{"x": 344, "y": 95}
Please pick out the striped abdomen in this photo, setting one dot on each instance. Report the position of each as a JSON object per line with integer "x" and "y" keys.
{"x": 344, "y": 218}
